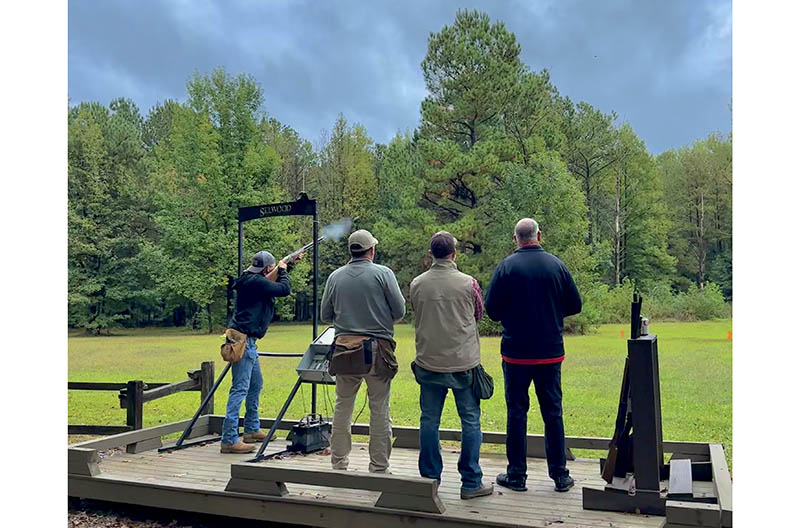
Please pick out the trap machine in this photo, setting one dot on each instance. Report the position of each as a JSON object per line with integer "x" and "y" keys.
{"x": 312, "y": 433}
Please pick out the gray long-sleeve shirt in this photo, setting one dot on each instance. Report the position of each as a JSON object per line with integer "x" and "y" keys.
{"x": 363, "y": 298}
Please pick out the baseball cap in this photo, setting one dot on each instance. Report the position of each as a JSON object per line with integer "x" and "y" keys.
{"x": 261, "y": 260}
{"x": 361, "y": 240}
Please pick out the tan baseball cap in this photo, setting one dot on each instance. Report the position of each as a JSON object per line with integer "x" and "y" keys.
{"x": 361, "y": 240}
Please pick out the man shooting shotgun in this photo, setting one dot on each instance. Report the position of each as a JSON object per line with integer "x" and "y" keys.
{"x": 256, "y": 290}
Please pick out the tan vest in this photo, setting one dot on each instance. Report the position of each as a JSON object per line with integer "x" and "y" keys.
{"x": 444, "y": 319}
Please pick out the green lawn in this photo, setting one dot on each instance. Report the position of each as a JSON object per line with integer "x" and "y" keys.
{"x": 695, "y": 364}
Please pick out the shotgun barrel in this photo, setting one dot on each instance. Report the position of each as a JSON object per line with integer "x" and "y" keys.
{"x": 293, "y": 254}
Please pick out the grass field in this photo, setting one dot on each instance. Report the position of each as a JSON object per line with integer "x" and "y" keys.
{"x": 695, "y": 364}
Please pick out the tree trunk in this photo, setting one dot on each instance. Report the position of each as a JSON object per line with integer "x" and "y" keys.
{"x": 208, "y": 318}
{"x": 617, "y": 232}
{"x": 229, "y": 300}
{"x": 701, "y": 242}
{"x": 587, "y": 189}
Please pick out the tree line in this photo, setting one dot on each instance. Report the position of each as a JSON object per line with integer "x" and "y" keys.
{"x": 152, "y": 200}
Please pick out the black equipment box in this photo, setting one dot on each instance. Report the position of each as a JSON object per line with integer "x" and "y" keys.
{"x": 311, "y": 434}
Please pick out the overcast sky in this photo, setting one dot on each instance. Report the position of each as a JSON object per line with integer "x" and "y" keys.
{"x": 663, "y": 66}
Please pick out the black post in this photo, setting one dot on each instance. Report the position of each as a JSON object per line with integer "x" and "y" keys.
{"x": 315, "y": 222}
{"x": 135, "y": 403}
{"x": 648, "y": 454}
{"x": 316, "y": 265}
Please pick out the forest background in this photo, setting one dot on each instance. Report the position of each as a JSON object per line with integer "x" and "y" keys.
{"x": 152, "y": 199}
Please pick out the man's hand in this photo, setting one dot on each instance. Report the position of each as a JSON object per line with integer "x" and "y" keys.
{"x": 273, "y": 273}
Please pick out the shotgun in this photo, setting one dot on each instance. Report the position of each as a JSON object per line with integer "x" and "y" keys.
{"x": 609, "y": 468}
{"x": 292, "y": 257}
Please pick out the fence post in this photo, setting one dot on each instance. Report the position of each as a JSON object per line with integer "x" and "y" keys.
{"x": 206, "y": 382}
{"x": 135, "y": 400}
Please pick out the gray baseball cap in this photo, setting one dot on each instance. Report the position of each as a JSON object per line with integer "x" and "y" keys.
{"x": 361, "y": 240}
{"x": 261, "y": 260}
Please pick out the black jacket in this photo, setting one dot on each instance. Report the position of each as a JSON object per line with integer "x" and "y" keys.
{"x": 531, "y": 292}
{"x": 255, "y": 302}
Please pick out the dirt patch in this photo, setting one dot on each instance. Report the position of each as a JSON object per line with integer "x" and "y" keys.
{"x": 99, "y": 514}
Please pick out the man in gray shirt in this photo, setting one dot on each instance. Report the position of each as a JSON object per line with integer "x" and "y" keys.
{"x": 363, "y": 300}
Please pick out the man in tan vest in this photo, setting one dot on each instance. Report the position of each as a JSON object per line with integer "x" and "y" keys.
{"x": 447, "y": 307}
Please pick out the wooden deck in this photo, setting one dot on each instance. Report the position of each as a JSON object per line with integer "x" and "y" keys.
{"x": 194, "y": 479}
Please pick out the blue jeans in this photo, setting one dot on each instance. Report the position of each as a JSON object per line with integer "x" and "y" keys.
{"x": 431, "y": 402}
{"x": 246, "y": 385}
{"x": 547, "y": 383}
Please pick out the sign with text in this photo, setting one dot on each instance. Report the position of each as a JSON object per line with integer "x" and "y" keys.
{"x": 300, "y": 207}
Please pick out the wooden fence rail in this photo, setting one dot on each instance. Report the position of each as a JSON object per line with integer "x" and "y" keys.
{"x": 134, "y": 394}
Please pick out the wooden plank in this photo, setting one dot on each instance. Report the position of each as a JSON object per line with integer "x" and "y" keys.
{"x": 647, "y": 502}
{"x": 680, "y": 478}
{"x": 95, "y": 385}
{"x": 405, "y": 493}
{"x": 562, "y": 503}
{"x": 278, "y": 510}
{"x": 97, "y": 429}
{"x": 106, "y": 386}
{"x": 82, "y": 461}
{"x": 260, "y": 487}
{"x": 172, "y": 388}
{"x": 722, "y": 484}
{"x": 416, "y": 486}
{"x": 408, "y": 437}
{"x": 693, "y": 514}
{"x": 400, "y": 501}
{"x": 503, "y": 504}
{"x": 131, "y": 437}
{"x": 144, "y": 445}
{"x": 690, "y": 456}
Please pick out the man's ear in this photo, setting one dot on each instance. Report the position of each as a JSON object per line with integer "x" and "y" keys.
{"x": 538, "y": 236}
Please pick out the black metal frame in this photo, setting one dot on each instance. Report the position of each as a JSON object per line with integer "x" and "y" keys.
{"x": 302, "y": 207}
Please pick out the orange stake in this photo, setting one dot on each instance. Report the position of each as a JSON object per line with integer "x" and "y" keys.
{"x": 730, "y": 335}
{"x": 622, "y": 334}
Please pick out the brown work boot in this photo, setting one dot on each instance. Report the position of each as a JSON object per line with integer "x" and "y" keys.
{"x": 238, "y": 448}
{"x": 256, "y": 438}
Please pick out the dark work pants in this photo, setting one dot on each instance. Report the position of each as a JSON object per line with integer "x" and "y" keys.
{"x": 547, "y": 382}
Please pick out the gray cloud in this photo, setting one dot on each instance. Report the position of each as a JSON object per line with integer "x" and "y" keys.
{"x": 663, "y": 66}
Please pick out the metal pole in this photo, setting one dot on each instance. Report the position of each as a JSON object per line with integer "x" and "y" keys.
{"x": 316, "y": 309}
{"x": 316, "y": 266}
{"x": 208, "y": 397}
{"x": 277, "y": 421}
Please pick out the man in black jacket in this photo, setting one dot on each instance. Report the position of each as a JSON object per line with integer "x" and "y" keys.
{"x": 255, "y": 306}
{"x": 530, "y": 294}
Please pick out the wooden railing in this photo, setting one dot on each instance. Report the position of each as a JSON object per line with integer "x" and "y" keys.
{"x": 134, "y": 394}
